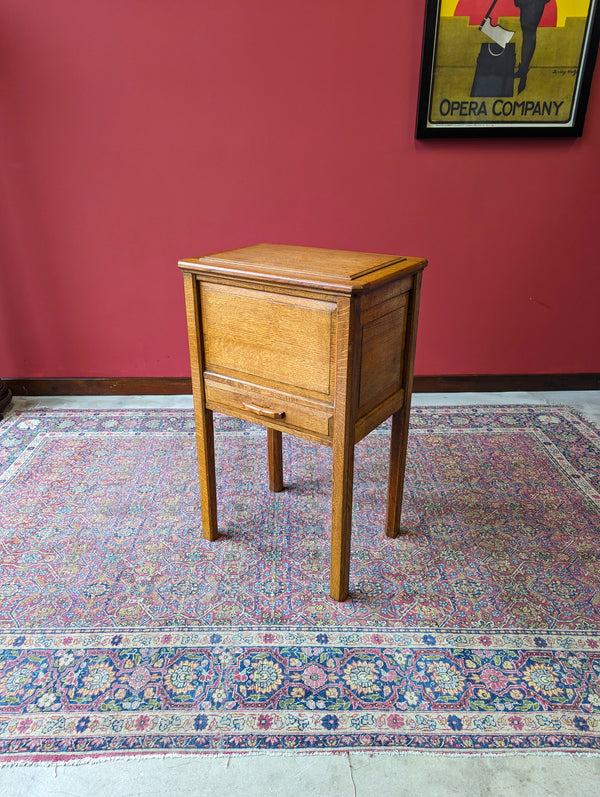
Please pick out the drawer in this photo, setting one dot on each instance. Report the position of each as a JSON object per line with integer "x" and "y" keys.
{"x": 270, "y": 407}
{"x": 262, "y": 337}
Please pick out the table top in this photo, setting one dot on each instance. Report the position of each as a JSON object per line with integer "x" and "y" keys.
{"x": 308, "y": 267}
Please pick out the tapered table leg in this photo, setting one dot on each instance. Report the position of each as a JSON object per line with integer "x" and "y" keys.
{"x": 275, "y": 455}
{"x": 346, "y": 392}
{"x": 341, "y": 519}
{"x": 205, "y": 441}
{"x": 401, "y": 420}
{"x": 398, "y": 446}
{"x": 203, "y": 417}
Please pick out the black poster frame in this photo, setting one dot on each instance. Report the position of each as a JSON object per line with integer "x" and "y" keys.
{"x": 454, "y": 119}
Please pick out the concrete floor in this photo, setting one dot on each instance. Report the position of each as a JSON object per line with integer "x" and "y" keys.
{"x": 343, "y": 775}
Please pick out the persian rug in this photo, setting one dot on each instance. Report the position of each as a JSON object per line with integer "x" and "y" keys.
{"x": 123, "y": 631}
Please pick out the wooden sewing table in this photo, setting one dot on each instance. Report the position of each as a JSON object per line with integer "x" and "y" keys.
{"x": 314, "y": 342}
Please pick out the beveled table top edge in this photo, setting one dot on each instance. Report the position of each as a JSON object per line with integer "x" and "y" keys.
{"x": 348, "y": 278}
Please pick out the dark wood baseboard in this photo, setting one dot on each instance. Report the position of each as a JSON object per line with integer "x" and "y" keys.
{"x": 121, "y": 386}
{"x": 5, "y": 397}
{"x": 497, "y": 383}
{"x": 162, "y": 386}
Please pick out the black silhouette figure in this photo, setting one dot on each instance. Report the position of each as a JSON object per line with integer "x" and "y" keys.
{"x": 530, "y": 15}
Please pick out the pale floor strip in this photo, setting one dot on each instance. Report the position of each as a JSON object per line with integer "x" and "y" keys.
{"x": 586, "y": 402}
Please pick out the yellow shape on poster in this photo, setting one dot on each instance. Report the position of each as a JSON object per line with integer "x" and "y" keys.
{"x": 564, "y": 9}
{"x": 448, "y": 7}
{"x": 570, "y": 8}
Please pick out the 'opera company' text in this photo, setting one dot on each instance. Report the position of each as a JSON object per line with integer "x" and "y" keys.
{"x": 499, "y": 108}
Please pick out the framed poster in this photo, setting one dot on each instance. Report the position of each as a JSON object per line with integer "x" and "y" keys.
{"x": 507, "y": 67}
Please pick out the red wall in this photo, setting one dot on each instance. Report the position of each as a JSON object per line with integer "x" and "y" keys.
{"x": 137, "y": 132}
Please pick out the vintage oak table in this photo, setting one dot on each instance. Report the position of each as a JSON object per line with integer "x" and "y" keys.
{"x": 314, "y": 342}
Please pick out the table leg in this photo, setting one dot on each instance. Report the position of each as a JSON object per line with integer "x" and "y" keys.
{"x": 205, "y": 442}
{"x": 401, "y": 420}
{"x": 205, "y": 435}
{"x": 341, "y": 519}
{"x": 275, "y": 456}
{"x": 398, "y": 445}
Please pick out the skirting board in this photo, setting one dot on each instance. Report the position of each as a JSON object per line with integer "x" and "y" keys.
{"x": 461, "y": 383}
{"x": 5, "y": 396}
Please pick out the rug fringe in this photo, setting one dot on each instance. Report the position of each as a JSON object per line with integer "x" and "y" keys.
{"x": 198, "y": 755}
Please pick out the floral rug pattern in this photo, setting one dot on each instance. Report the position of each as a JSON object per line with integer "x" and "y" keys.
{"x": 123, "y": 631}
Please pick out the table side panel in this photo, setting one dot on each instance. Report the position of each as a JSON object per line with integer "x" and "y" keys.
{"x": 383, "y": 330}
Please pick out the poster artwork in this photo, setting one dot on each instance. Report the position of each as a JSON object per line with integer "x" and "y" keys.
{"x": 507, "y": 63}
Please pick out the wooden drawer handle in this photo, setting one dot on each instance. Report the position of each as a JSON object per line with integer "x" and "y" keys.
{"x": 266, "y": 413}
